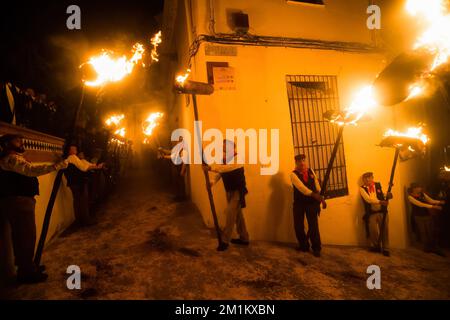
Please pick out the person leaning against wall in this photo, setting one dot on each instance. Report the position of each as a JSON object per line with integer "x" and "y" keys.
{"x": 375, "y": 205}
{"x": 233, "y": 177}
{"x": 426, "y": 213}
{"x": 307, "y": 200}
{"x": 18, "y": 187}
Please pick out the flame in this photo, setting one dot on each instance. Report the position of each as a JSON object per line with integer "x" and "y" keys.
{"x": 120, "y": 132}
{"x": 114, "y": 140}
{"x": 156, "y": 40}
{"x": 436, "y": 37}
{"x": 415, "y": 90}
{"x": 412, "y": 132}
{"x": 182, "y": 78}
{"x": 112, "y": 69}
{"x": 146, "y": 141}
{"x": 114, "y": 120}
{"x": 447, "y": 169}
{"x": 363, "y": 101}
{"x": 151, "y": 123}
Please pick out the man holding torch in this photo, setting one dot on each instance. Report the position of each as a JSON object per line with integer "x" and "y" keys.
{"x": 425, "y": 212}
{"x": 77, "y": 181}
{"x": 18, "y": 187}
{"x": 233, "y": 178}
{"x": 307, "y": 200}
{"x": 375, "y": 205}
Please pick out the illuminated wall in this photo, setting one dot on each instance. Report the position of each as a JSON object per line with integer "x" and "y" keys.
{"x": 260, "y": 101}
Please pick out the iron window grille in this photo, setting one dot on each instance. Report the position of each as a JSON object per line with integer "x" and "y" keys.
{"x": 310, "y": 96}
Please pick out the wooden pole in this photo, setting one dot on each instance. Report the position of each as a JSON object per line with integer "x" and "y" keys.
{"x": 391, "y": 184}
{"x": 208, "y": 184}
{"x": 331, "y": 162}
{"x": 56, "y": 185}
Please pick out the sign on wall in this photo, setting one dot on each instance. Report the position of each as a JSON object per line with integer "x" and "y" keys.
{"x": 214, "y": 50}
{"x": 224, "y": 78}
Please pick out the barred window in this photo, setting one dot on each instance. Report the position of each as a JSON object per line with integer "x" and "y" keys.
{"x": 310, "y": 96}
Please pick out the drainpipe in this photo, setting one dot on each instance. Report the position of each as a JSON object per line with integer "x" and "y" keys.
{"x": 212, "y": 21}
{"x": 189, "y": 22}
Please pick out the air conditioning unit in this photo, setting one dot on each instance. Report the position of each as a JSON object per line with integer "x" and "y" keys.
{"x": 240, "y": 22}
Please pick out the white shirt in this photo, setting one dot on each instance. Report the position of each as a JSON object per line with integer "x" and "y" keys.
{"x": 82, "y": 165}
{"x": 429, "y": 201}
{"x": 300, "y": 186}
{"x": 18, "y": 164}
{"x": 222, "y": 168}
{"x": 371, "y": 198}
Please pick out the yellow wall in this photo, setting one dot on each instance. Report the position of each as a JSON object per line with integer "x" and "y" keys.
{"x": 62, "y": 215}
{"x": 339, "y": 20}
{"x": 260, "y": 101}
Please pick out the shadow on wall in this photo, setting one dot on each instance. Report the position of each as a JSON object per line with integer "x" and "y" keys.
{"x": 279, "y": 210}
{"x": 358, "y": 222}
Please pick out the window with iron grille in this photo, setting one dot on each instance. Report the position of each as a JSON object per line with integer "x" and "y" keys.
{"x": 310, "y": 96}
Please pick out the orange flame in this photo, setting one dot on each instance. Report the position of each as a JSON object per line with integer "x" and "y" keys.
{"x": 151, "y": 123}
{"x": 156, "y": 40}
{"x": 114, "y": 120}
{"x": 436, "y": 37}
{"x": 412, "y": 132}
{"x": 113, "y": 69}
{"x": 180, "y": 79}
{"x": 363, "y": 101}
{"x": 120, "y": 132}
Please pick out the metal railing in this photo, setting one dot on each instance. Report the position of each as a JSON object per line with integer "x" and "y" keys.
{"x": 40, "y": 147}
{"x": 310, "y": 96}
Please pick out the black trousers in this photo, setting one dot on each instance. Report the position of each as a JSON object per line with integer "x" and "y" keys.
{"x": 178, "y": 182}
{"x": 312, "y": 215}
{"x": 428, "y": 228}
{"x": 80, "y": 194}
{"x": 19, "y": 211}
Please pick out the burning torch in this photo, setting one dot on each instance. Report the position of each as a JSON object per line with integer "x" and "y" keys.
{"x": 363, "y": 102}
{"x": 149, "y": 125}
{"x": 184, "y": 86}
{"x": 407, "y": 145}
{"x": 407, "y": 75}
{"x": 107, "y": 68}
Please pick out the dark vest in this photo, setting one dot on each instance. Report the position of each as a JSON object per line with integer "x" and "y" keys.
{"x": 419, "y": 211}
{"x": 299, "y": 197}
{"x": 13, "y": 184}
{"x": 380, "y": 196}
{"x": 74, "y": 176}
{"x": 235, "y": 181}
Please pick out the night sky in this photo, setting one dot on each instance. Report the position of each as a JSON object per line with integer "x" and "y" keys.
{"x": 38, "y": 50}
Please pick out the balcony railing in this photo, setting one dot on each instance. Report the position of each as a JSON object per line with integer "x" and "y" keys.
{"x": 40, "y": 147}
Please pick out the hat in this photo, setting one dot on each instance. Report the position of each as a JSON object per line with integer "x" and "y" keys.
{"x": 367, "y": 175}
{"x": 414, "y": 185}
{"x": 7, "y": 138}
